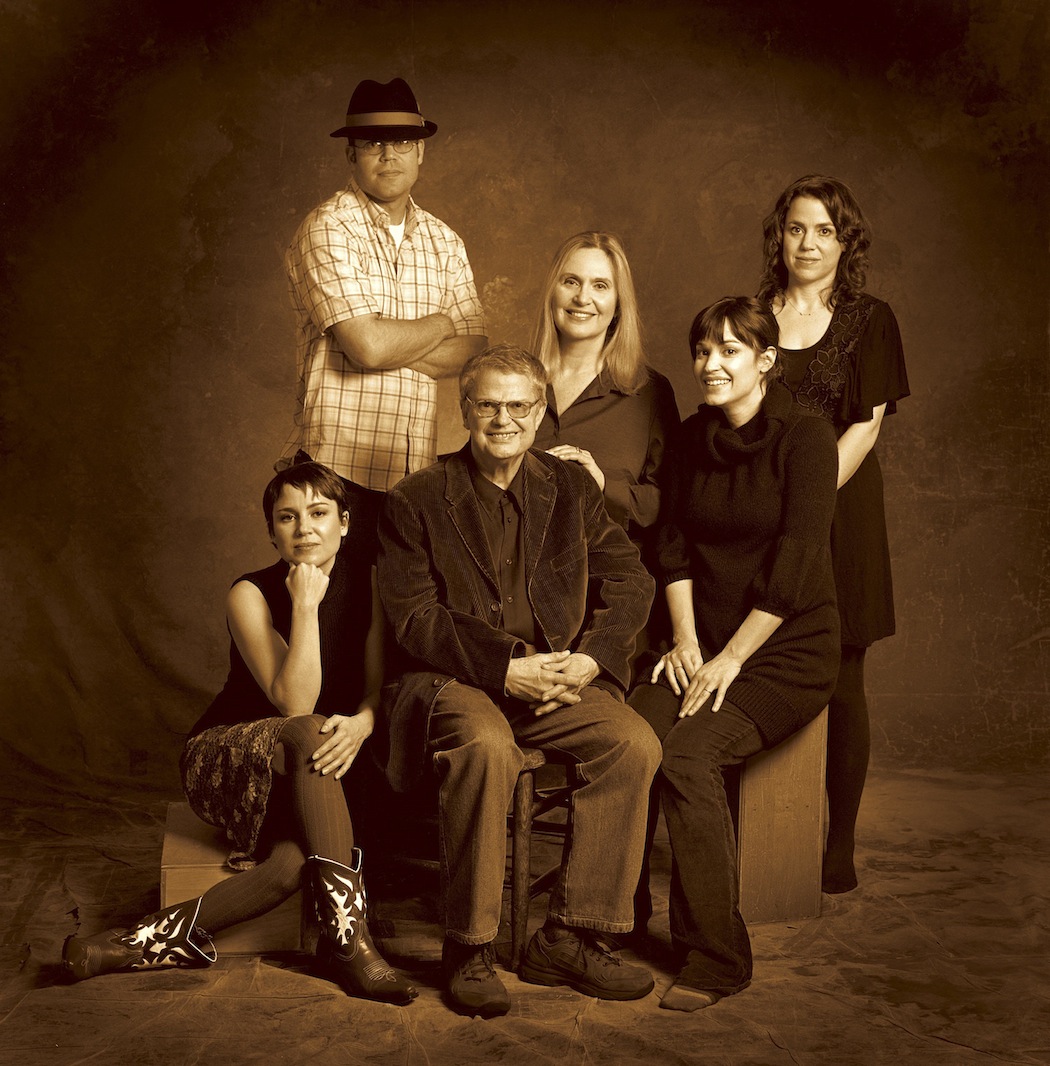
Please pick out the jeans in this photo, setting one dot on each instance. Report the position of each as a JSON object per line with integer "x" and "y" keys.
{"x": 474, "y": 743}
{"x": 706, "y": 928}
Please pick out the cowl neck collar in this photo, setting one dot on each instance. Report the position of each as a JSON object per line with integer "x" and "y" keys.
{"x": 727, "y": 445}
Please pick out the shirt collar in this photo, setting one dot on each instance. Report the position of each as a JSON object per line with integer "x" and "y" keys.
{"x": 489, "y": 493}
{"x": 377, "y": 215}
{"x": 600, "y": 386}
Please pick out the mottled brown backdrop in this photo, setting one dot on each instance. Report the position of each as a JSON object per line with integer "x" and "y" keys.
{"x": 157, "y": 161}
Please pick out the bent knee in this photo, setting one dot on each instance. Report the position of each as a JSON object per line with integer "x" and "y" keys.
{"x": 487, "y": 745}
{"x": 639, "y": 739}
{"x": 300, "y": 736}
{"x": 494, "y": 748}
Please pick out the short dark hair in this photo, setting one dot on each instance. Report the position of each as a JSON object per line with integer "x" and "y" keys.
{"x": 322, "y": 479}
{"x": 504, "y": 359}
{"x": 750, "y": 320}
{"x": 851, "y": 229}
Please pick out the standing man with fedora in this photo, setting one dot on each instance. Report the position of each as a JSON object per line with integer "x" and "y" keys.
{"x": 384, "y": 300}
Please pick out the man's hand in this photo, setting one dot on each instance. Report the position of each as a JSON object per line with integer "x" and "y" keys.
{"x": 532, "y": 677}
{"x": 574, "y": 674}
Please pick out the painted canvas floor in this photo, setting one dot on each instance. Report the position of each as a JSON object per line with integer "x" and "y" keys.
{"x": 941, "y": 956}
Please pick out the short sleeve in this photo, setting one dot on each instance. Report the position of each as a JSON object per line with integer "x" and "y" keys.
{"x": 327, "y": 277}
{"x": 463, "y": 306}
{"x": 879, "y": 375}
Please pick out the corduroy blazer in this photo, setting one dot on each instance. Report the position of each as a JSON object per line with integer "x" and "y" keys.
{"x": 586, "y": 585}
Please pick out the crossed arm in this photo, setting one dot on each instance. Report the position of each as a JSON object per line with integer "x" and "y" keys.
{"x": 430, "y": 344}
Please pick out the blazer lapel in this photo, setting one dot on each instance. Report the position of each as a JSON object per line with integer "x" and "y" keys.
{"x": 465, "y": 514}
{"x": 540, "y": 494}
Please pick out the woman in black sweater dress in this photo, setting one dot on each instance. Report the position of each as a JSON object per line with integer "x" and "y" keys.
{"x": 745, "y": 561}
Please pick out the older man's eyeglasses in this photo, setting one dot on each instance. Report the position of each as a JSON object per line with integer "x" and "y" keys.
{"x": 376, "y": 147}
{"x": 491, "y": 408}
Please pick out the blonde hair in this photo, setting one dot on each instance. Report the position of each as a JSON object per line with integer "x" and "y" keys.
{"x": 623, "y": 352}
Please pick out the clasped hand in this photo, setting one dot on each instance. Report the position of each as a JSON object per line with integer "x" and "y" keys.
{"x": 347, "y": 733}
{"x": 695, "y": 680}
{"x": 548, "y": 680}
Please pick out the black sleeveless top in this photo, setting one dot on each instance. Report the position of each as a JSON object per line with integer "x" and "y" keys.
{"x": 344, "y": 617}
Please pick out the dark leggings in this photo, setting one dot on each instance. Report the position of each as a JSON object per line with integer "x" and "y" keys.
{"x": 849, "y": 743}
{"x": 306, "y": 815}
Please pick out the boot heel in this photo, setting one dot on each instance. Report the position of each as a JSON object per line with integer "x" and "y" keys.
{"x": 345, "y": 952}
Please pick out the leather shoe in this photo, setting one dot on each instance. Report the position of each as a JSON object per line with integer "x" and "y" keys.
{"x": 579, "y": 959}
{"x": 473, "y": 986}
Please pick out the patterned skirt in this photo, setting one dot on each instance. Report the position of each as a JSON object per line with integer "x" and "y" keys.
{"x": 227, "y": 777}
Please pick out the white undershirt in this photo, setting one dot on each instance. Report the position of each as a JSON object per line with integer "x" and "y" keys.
{"x": 398, "y": 233}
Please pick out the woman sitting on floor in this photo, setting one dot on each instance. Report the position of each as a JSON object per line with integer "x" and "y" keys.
{"x": 265, "y": 761}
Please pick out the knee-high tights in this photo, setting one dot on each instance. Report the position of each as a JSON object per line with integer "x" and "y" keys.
{"x": 306, "y": 815}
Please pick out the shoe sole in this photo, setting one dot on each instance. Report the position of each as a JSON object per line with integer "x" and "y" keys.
{"x": 469, "y": 1010}
{"x": 536, "y": 976}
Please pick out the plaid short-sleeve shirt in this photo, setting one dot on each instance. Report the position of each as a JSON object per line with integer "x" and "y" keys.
{"x": 376, "y": 426}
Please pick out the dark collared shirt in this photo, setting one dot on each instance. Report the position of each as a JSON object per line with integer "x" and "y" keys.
{"x": 501, "y": 512}
{"x": 626, "y": 434}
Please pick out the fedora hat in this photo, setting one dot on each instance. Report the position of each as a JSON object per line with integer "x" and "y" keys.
{"x": 384, "y": 113}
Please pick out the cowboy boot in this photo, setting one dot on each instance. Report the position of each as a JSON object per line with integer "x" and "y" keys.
{"x": 166, "y": 938}
{"x": 345, "y": 950}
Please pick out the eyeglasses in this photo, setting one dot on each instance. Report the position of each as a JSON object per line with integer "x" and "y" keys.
{"x": 491, "y": 408}
{"x": 376, "y": 147}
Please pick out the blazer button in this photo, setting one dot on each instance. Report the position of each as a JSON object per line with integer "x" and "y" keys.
{"x": 493, "y": 606}
{"x": 436, "y": 682}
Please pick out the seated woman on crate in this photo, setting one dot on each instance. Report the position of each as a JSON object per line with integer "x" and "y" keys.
{"x": 745, "y": 561}
{"x": 265, "y": 761}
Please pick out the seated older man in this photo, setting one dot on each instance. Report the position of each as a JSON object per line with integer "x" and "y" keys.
{"x": 516, "y": 601}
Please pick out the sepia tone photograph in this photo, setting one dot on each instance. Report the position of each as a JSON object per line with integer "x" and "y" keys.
{"x": 538, "y": 544}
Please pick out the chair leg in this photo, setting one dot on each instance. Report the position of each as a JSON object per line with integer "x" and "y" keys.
{"x": 521, "y": 856}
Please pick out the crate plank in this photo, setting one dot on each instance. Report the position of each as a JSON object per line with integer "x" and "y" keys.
{"x": 193, "y": 859}
{"x": 780, "y": 833}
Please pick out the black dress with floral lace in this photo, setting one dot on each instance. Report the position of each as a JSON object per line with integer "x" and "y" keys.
{"x": 855, "y": 367}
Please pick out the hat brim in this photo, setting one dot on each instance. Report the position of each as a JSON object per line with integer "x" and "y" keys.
{"x": 388, "y": 133}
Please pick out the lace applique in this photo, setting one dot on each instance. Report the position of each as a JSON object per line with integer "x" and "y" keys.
{"x": 829, "y": 369}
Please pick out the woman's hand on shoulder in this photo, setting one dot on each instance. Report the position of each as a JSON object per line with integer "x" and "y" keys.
{"x": 571, "y": 454}
{"x": 306, "y": 584}
{"x": 679, "y": 665}
{"x": 712, "y": 679}
{"x": 345, "y": 735}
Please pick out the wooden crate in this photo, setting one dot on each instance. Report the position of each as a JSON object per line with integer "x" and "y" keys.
{"x": 193, "y": 860}
{"x": 780, "y": 830}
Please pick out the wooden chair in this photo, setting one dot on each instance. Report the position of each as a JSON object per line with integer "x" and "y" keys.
{"x": 780, "y": 839}
{"x": 194, "y": 858}
{"x": 529, "y": 805}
